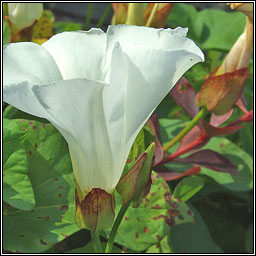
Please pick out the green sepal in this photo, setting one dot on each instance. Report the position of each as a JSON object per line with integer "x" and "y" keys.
{"x": 135, "y": 184}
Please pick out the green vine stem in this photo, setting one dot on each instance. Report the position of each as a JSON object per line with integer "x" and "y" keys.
{"x": 117, "y": 222}
{"x": 96, "y": 242}
{"x": 185, "y": 131}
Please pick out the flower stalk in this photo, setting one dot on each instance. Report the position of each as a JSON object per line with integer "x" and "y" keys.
{"x": 185, "y": 131}
{"x": 115, "y": 227}
{"x": 96, "y": 242}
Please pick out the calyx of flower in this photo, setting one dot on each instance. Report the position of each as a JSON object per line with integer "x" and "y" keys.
{"x": 96, "y": 211}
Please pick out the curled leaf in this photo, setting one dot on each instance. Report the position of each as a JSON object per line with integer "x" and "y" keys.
{"x": 185, "y": 96}
{"x": 167, "y": 176}
{"x": 210, "y": 159}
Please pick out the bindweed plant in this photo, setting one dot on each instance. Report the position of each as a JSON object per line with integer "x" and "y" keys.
{"x": 137, "y": 139}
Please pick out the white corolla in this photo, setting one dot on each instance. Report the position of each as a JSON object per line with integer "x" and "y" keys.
{"x": 98, "y": 89}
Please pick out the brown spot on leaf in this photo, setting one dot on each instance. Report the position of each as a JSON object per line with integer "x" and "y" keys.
{"x": 59, "y": 195}
{"x": 25, "y": 129}
{"x": 146, "y": 230}
{"x": 169, "y": 220}
{"x": 36, "y": 146}
{"x": 44, "y": 218}
{"x": 159, "y": 217}
{"x": 189, "y": 212}
{"x": 32, "y": 211}
{"x": 159, "y": 238}
{"x": 157, "y": 206}
{"x": 128, "y": 161}
{"x": 44, "y": 125}
{"x": 222, "y": 145}
{"x": 167, "y": 196}
{"x": 42, "y": 242}
{"x": 56, "y": 179}
{"x": 174, "y": 205}
{"x": 60, "y": 187}
{"x": 30, "y": 153}
{"x": 153, "y": 194}
{"x": 173, "y": 213}
{"x": 137, "y": 235}
{"x": 63, "y": 207}
{"x": 34, "y": 127}
{"x": 126, "y": 218}
{"x": 164, "y": 186}
{"x": 138, "y": 219}
{"x": 22, "y": 235}
{"x": 64, "y": 235}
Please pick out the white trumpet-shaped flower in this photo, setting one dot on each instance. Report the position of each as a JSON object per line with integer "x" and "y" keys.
{"x": 98, "y": 89}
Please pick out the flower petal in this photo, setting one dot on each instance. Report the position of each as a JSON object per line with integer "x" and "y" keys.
{"x": 152, "y": 74}
{"x": 168, "y": 39}
{"x": 114, "y": 101}
{"x": 78, "y": 54}
{"x": 30, "y": 63}
{"x": 75, "y": 108}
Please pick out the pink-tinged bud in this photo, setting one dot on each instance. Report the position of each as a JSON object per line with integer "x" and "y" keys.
{"x": 161, "y": 15}
{"x": 120, "y": 13}
{"x": 240, "y": 54}
{"x": 224, "y": 86}
{"x": 220, "y": 92}
{"x": 96, "y": 211}
{"x": 246, "y": 8}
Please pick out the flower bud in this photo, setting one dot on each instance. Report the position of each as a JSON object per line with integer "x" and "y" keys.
{"x": 135, "y": 14}
{"x": 135, "y": 184}
{"x": 223, "y": 88}
{"x": 161, "y": 14}
{"x": 23, "y": 15}
{"x": 120, "y": 13}
{"x": 240, "y": 54}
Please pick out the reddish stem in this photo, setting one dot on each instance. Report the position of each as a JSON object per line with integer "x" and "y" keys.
{"x": 184, "y": 150}
{"x": 245, "y": 118}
